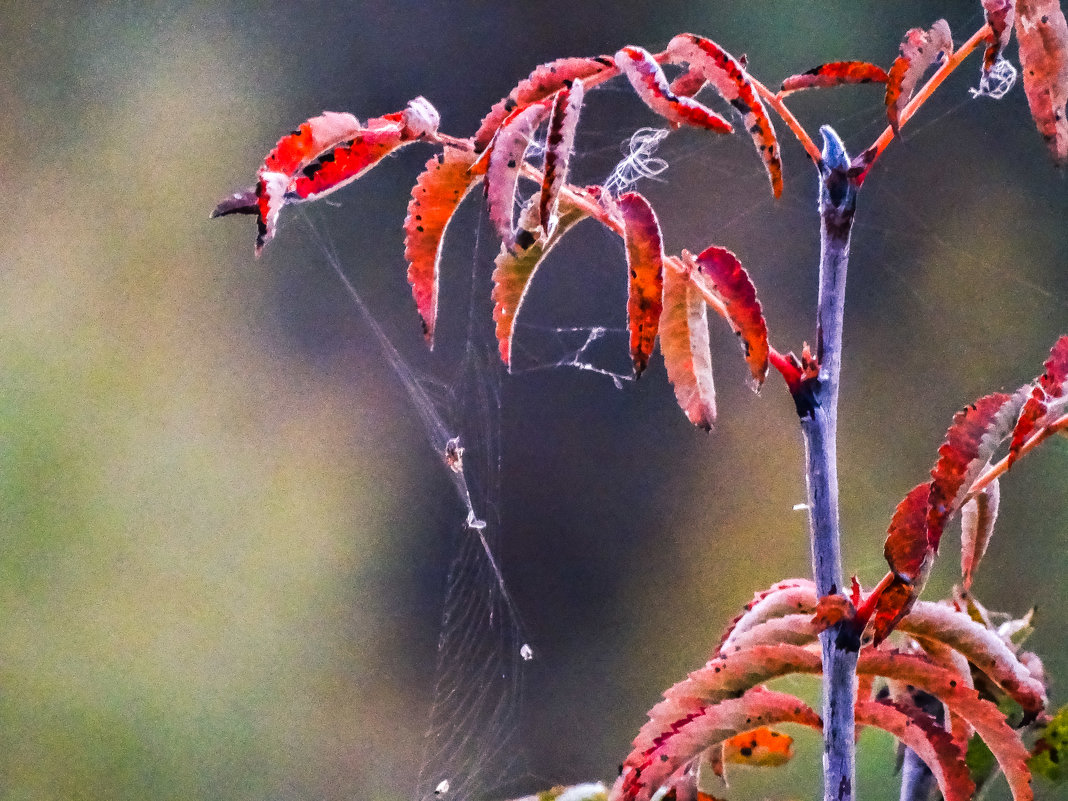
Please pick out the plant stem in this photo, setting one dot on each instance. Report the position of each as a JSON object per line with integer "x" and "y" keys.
{"x": 817, "y": 405}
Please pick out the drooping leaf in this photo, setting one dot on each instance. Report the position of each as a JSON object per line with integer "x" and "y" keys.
{"x": 731, "y": 282}
{"x": 763, "y": 747}
{"x": 1043, "y": 36}
{"x": 505, "y": 161}
{"x": 545, "y": 81}
{"x": 982, "y": 647}
{"x": 436, "y": 195}
{"x": 1052, "y": 384}
{"x": 977, "y": 520}
{"x": 559, "y": 141}
{"x": 919, "y": 50}
{"x": 645, "y": 264}
{"x": 515, "y": 267}
{"x": 999, "y": 16}
{"x": 681, "y": 740}
{"x": 969, "y": 444}
{"x": 684, "y": 344}
{"x": 730, "y": 79}
{"x": 922, "y": 733}
{"x": 1050, "y": 758}
{"x": 652, "y": 87}
{"x": 836, "y": 73}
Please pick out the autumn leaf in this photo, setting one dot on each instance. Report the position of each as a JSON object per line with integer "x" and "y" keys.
{"x": 684, "y": 344}
{"x": 516, "y": 265}
{"x": 645, "y": 264}
{"x": 999, "y": 16}
{"x": 728, "y": 279}
{"x": 835, "y": 73}
{"x": 762, "y": 747}
{"x": 1043, "y": 36}
{"x": 1050, "y": 758}
{"x": 977, "y": 519}
{"x": 784, "y": 598}
{"x": 437, "y": 194}
{"x": 919, "y": 50}
{"x": 907, "y": 549}
{"x": 652, "y": 87}
{"x": 559, "y": 141}
{"x": 1051, "y": 385}
{"x": 545, "y": 81}
{"x": 509, "y": 152}
{"x": 732, "y": 82}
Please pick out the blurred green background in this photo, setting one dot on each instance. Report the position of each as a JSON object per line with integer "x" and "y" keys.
{"x": 223, "y": 538}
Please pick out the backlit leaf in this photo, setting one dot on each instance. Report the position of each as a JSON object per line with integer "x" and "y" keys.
{"x": 1052, "y": 384}
{"x": 652, "y": 87}
{"x": 684, "y": 344}
{"x": 731, "y": 282}
{"x": 645, "y": 264}
{"x": 931, "y": 743}
{"x": 836, "y": 73}
{"x": 919, "y": 50}
{"x": 515, "y": 267}
{"x": 762, "y": 747}
{"x": 784, "y": 598}
{"x": 545, "y": 81}
{"x": 559, "y": 141}
{"x": 729, "y": 78}
{"x": 509, "y": 151}
{"x": 1043, "y": 36}
{"x": 436, "y": 195}
{"x": 977, "y": 520}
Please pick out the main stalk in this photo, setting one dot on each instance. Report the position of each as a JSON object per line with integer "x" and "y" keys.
{"x": 817, "y": 405}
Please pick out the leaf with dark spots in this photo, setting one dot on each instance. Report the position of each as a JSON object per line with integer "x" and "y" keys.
{"x": 559, "y": 141}
{"x": 835, "y": 73}
{"x": 966, "y": 451}
{"x": 977, "y": 519}
{"x": 919, "y": 51}
{"x": 684, "y": 344}
{"x": 515, "y": 268}
{"x": 509, "y": 150}
{"x": 1043, "y": 36}
{"x": 347, "y": 162}
{"x": 545, "y": 81}
{"x": 732, "y": 283}
{"x": 907, "y": 549}
{"x": 999, "y": 16}
{"x": 652, "y": 87}
{"x": 688, "y": 83}
{"x": 1051, "y": 385}
{"x": 645, "y": 263}
{"x": 309, "y": 140}
{"x": 762, "y": 747}
{"x": 732, "y": 82}
{"x": 436, "y": 195}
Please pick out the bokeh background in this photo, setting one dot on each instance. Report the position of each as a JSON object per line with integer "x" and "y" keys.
{"x": 223, "y": 538}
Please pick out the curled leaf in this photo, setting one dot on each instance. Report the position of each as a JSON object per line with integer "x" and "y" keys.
{"x": 835, "y": 73}
{"x": 645, "y": 263}
{"x": 684, "y": 344}
{"x": 545, "y": 81}
{"x": 732, "y": 283}
{"x": 1050, "y": 757}
{"x": 437, "y": 194}
{"x": 999, "y": 16}
{"x": 919, "y": 50}
{"x": 787, "y": 597}
{"x": 977, "y": 520}
{"x": 515, "y": 267}
{"x": 652, "y": 87}
{"x": 505, "y": 161}
{"x": 559, "y": 141}
{"x": 1043, "y": 36}
{"x": 730, "y": 79}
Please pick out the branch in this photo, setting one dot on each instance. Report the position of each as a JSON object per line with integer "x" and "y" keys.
{"x": 791, "y": 121}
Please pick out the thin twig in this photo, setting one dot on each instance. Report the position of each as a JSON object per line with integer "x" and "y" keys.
{"x": 791, "y": 121}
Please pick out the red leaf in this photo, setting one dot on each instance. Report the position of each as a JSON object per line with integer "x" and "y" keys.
{"x": 652, "y": 87}
{"x": 906, "y": 549}
{"x": 645, "y": 262}
{"x": 1043, "y": 36}
{"x": 509, "y": 151}
{"x": 545, "y": 81}
{"x": 1052, "y": 384}
{"x": 921, "y": 732}
{"x": 969, "y": 444}
{"x": 919, "y": 50}
{"x": 436, "y": 195}
{"x": 729, "y": 77}
{"x": 836, "y": 73}
{"x": 684, "y": 344}
{"x": 310, "y": 139}
{"x": 977, "y": 519}
{"x": 732, "y": 283}
{"x": 999, "y": 16}
{"x": 515, "y": 269}
{"x": 342, "y": 165}
{"x": 559, "y": 140}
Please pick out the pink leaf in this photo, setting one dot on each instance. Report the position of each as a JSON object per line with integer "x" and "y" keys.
{"x": 505, "y": 161}
{"x": 977, "y": 519}
{"x": 559, "y": 141}
{"x": 684, "y": 344}
{"x": 919, "y": 51}
{"x": 652, "y": 87}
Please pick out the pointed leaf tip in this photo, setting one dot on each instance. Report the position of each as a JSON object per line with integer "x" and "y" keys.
{"x": 684, "y": 345}
{"x": 645, "y": 263}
